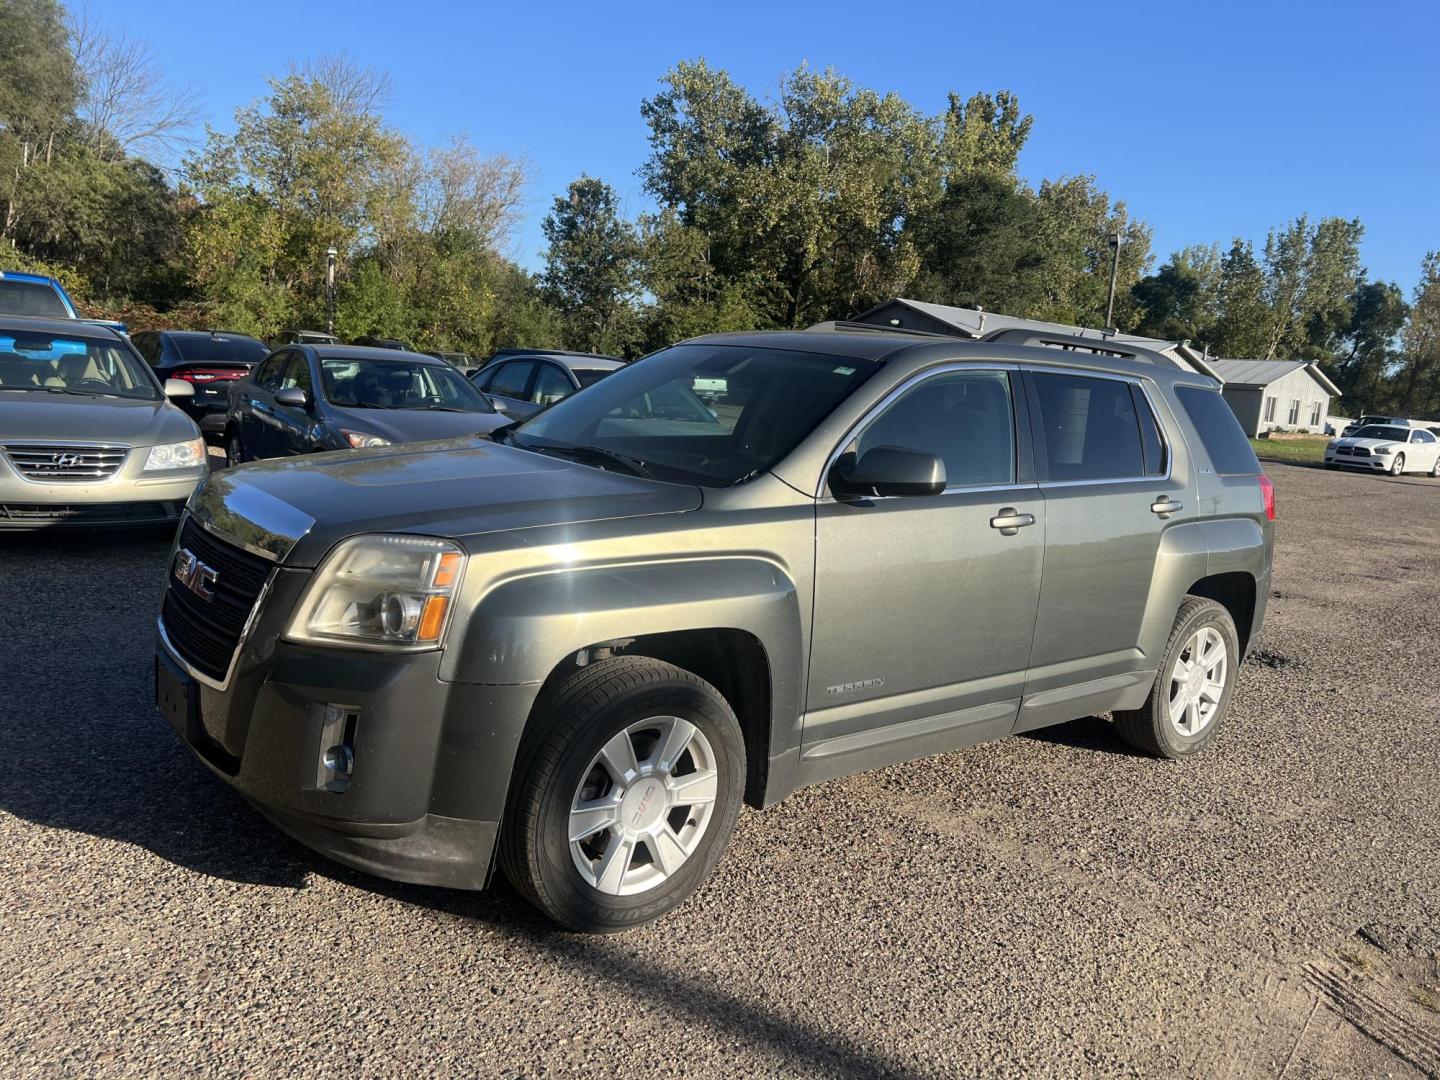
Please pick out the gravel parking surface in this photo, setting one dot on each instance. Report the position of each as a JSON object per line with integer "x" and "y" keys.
{"x": 1049, "y": 905}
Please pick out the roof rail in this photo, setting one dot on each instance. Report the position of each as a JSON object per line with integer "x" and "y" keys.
{"x": 1102, "y": 346}
{"x": 877, "y": 328}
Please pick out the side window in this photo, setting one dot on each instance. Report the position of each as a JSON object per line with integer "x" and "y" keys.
{"x": 148, "y": 346}
{"x": 964, "y": 417}
{"x": 510, "y": 380}
{"x": 270, "y": 371}
{"x": 297, "y": 374}
{"x": 1218, "y": 429}
{"x": 1151, "y": 443}
{"x": 1089, "y": 428}
{"x": 1422, "y": 436}
{"x": 551, "y": 386}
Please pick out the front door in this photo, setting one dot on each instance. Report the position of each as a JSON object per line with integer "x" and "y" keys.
{"x": 510, "y": 384}
{"x": 925, "y": 605}
{"x": 294, "y": 424}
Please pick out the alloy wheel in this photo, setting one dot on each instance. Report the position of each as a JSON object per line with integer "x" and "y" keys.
{"x": 643, "y": 805}
{"x": 1197, "y": 682}
{"x": 1399, "y": 466}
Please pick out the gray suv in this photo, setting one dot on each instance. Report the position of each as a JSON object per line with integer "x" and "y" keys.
{"x": 576, "y": 648}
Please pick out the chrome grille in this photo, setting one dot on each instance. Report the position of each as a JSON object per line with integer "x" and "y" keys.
{"x": 46, "y": 463}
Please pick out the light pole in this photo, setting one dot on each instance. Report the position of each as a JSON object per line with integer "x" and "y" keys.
{"x": 1114, "y": 273}
{"x": 330, "y": 255}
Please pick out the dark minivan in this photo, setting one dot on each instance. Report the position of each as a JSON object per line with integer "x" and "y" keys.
{"x": 308, "y": 398}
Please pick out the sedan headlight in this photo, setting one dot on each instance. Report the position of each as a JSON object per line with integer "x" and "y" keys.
{"x": 361, "y": 439}
{"x": 387, "y": 592}
{"x": 1382, "y": 449}
{"x": 176, "y": 455}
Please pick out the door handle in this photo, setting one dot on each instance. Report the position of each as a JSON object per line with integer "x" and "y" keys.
{"x": 1009, "y": 522}
{"x": 1165, "y": 506}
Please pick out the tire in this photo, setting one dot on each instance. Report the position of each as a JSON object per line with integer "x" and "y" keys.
{"x": 234, "y": 448}
{"x": 1435, "y": 469}
{"x": 565, "y": 762}
{"x": 1150, "y": 728}
{"x": 1399, "y": 467}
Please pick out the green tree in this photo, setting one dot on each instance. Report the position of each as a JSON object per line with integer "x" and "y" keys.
{"x": 1378, "y": 311}
{"x": 591, "y": 267}
{"x": 1075, "y": 220}
{"x": 1415, "y": 388}
{"x": 1180, "y": 301}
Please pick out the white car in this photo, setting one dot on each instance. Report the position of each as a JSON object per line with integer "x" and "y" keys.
{"x": 1386, "y": 448}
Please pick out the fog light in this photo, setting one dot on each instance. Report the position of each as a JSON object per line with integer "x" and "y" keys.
{"x": 336, "y": 759}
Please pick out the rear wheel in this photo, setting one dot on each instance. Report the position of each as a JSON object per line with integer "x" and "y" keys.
{"x": 1191, "y": 693}
{"x": 1399, "y": 466}
{"x": 625, "y": 793}
{"x": 1435, "y": 469}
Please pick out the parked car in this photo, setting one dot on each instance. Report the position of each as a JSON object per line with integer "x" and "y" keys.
{"x": 462, "y": 361}
{"x": 576, "y": 648}
{"x": 1387, "y": 448}
{"x": 43, "y": 296}
{"x": 206, "y": 359}
{"x": 528, "y": 382}
{"x": 307, "y": 398}
{"x": 87, "y": 435}
{"x": 305, "y": 337}
{"x": 382, "y": 343}
{"x": 1371, "y": 421}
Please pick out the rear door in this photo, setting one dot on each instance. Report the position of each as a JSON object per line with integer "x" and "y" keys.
{"x": 925, "y": 606}
{"x": 1105, "y": 471}
{"x": 552, "y": 384}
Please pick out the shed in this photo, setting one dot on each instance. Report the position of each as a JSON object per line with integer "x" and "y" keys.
{"x": 974, "y": 323}
{"x": 1267, "y": 394}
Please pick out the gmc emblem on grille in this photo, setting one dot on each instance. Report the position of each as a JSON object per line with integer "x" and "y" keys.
{"x": 194, "y": 574}
{"x": 65, "y": 461}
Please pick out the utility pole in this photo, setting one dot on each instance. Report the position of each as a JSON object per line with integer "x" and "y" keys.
{"x": 330, "y": 290}
{"x": 1114, "y": 273}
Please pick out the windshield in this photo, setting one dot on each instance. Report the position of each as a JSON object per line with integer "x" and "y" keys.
{"x": 590, "y": 376}
{"x": 37, "y": 363}
{"x": 31, "y": 298}
{"x": 1394, "y": 434}
{"x": 757, "y": 405}
{"x": 399, "y": 384}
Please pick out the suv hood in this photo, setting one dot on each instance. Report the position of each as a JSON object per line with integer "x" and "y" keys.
{"x": 296, "y": 509}
{"x": 35, "y": 414}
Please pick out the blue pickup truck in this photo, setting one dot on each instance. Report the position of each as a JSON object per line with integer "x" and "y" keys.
{"x": 36, "y": 294}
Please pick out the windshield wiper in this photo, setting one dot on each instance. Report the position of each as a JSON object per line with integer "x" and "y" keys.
{"x": 436, "y": 408}
{"x": 358, "y": 405}
{"x": 599, "y": 455}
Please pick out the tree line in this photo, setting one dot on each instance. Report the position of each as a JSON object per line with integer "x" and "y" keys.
{"x": 814, "y": 205}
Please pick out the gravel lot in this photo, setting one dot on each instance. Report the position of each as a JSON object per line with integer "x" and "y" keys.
{"x": 1047, "y": 905}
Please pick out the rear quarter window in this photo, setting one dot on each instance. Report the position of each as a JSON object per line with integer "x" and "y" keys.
{"x": 1223, "y": 437}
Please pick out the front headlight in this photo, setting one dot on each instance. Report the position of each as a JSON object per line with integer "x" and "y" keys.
{"x": 389, "y": 592}
{"x": 1378, "y": 450}
{"x": 176, "y": 455}
{"x": 361, "y": 439}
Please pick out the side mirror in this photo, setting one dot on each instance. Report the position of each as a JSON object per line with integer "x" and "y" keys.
{"x": 499, "y": 405}
{"x": 889, "y": 470}
{"x": 292, "y": 397}
{"x": 178, "y": 388}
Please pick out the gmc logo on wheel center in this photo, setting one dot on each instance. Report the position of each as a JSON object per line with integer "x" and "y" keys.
{"x": 194, "y": 575}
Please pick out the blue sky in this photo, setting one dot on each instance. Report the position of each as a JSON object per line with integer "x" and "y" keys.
{"x": 1210, "y": 120}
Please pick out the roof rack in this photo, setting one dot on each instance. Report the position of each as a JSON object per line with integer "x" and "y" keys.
{"x": 876, "y": 328}
{"x": 1101, "y": 346}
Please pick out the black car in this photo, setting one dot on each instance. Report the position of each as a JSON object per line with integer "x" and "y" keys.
{"x": 369, "y": 341}
{"x": 305, "y": 337}
{"x": 208, "y": 360}
{"x": 306, "y": 398}
{"x": 525, "y": 383}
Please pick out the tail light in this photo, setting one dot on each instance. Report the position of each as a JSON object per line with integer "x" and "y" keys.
{"x": 209, "y": 375}
{"x": 1267, "y": 492}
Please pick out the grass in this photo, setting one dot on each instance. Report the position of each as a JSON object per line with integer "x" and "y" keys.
{"x": 1311, "y": 450}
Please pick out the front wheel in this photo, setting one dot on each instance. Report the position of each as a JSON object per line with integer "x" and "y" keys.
{"x": 1399, "y": 466}
{"x": 625, "y": 793}
{"x": 234, "y": 448}
{"x": 1191, "y": 693}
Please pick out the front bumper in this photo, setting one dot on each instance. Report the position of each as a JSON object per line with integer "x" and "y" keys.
{"x": 1364, "y": 464}
{"x": 130, "y": 497}
{"x": 431, "y": 766}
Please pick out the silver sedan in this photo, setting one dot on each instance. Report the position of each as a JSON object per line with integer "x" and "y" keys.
{"x": 87, "y": 435}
